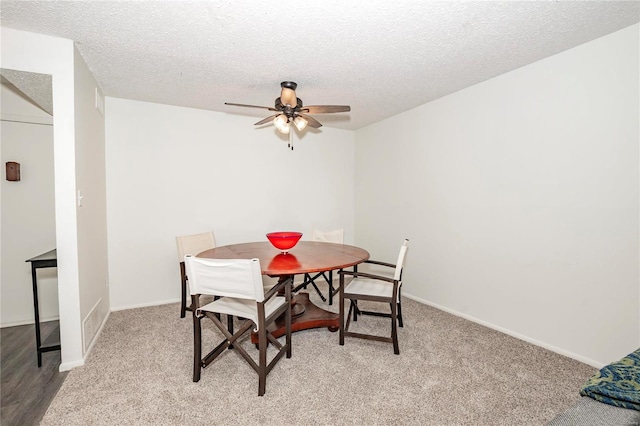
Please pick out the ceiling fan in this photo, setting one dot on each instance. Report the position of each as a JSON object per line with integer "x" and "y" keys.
{"x": 289, "y": 110}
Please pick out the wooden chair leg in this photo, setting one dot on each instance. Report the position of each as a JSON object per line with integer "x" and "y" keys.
{"x": 262, "y": 363}
{"x": 348, "y": 323}
{"x": 308, "y": 280}
{"x": 324, "y": 299}
{"x": 394, "y": 328}
{"x": 354, "y": 304}
{"x": 183, "y": 303}
{"x": 341, "y": 316}
{"x": 287, "y": 319}
{"x": 330, "y": 282}
{"x": 197, "y": 348}
{"x": 302, "y": 286}
{"x": 400, "y": 314}
{"x": 230, "y": 327}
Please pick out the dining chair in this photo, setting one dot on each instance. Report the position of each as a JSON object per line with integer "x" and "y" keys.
{"x": 191, "y": 244}
{"x": 381, "y": 287}
{"x": 238, "y": 285}
{"x": 335, "y": 236}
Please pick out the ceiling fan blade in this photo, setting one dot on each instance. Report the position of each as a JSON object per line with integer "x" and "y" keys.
{"x": 251, "y": 106}
{"x": 312, "y": 122}
{"x": 266, "y": 120}
{"x": 326, "y": 109}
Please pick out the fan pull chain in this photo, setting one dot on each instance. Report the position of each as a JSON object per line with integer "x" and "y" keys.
{"x": 290, "y": 144}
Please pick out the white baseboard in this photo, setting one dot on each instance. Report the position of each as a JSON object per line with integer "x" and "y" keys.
{"x": 146, "y": 305}
{"x": 544, "y": 345}
{"x": 27, "y": 322}
{"x": 66, "y": 366}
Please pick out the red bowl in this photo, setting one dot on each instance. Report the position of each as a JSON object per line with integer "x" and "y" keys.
{"x": 284, "y": 240}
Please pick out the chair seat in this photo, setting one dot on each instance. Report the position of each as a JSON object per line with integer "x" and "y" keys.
{"x": 369, "y": 287}
{"x": 243, "y": 308}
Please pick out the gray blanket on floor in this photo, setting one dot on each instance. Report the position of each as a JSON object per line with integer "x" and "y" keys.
{"x": 589, "y": 412}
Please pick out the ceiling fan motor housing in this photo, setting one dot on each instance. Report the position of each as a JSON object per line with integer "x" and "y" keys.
{"x": 288, "y": 110}
{"x": 289, "y": 85}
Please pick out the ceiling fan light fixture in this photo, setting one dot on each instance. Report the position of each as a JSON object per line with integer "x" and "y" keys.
{"x": 289, "y": 111}
{"x": 282, "y": 123}
{"x": 300, "y": 123}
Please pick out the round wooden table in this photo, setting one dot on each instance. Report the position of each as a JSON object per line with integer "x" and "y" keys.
{"x": 305, "y": 257}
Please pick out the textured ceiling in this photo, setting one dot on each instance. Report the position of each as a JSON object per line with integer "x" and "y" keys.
{"x": 381, "y": 57}
{"x": 33, "y": 87}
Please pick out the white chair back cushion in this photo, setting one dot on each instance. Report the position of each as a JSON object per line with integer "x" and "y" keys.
{"x": 194, "y": 244}
{"x": 336, "y": 236}
{"x": 401, "y": 258}
{"x": 238, "y": 278}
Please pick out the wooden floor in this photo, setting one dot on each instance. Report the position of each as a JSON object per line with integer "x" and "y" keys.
{"x": 27, "y": 390}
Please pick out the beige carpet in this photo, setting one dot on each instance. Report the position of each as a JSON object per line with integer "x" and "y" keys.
{"x": 449, "y": 372}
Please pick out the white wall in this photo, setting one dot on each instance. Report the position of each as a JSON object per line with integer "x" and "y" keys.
{"x": 28, "y": 210}
{"x": 520, "y": 197}
{"x": 92, "y": 214}
{"x": 72, "y": 82}
{"x": 175, "y": 171}
{"x": 24, "y": 51}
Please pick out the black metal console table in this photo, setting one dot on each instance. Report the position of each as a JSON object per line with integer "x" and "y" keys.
{"x": 45, "y": 260}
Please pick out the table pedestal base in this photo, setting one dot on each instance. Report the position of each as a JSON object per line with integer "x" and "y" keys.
{"x": 313, "y": 317}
